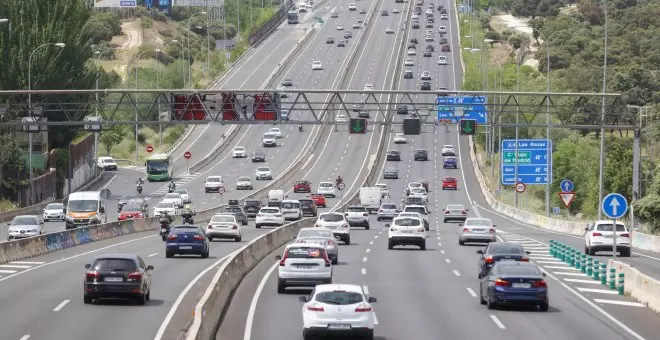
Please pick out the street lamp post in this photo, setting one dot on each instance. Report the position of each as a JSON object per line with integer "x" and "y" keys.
{"x": 601, "y": 160}
{"x": 189, "y": 56}
{"x": 137, "y": 63}
{"x": 492, "y": 130}
{"x": 60, "y": 45}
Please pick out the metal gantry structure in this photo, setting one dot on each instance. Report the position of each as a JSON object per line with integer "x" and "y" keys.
{"x": 298, "y": 106}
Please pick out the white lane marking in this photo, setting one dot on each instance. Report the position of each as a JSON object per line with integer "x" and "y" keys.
{"x": 184, "y": 292}
{"x": 372, "y": 242}
{"x": 247, "y": 334}
{"x": 620, "y": 303}
{"x": 439, "y": 244}
{"x": 365, "y": 289}
{"x": 14, "y": 266}
{"x": 376, "y": 236}
{"x": 152, "y": 255}
{"x": 25, "y": 337}
{"x": 105, "y": 186}
{"x": 364, "y": 271}
{"x": 599, "y": 291}
{"x": 456, "y": 272}
{"x": 570, "y": 274}
{"x": 497, "y": 321}
{"x": 560, "y": 267}
{"x": 592, "y": 282}
{"x": 551, "y": 261}
{"x": 471, "y": 292}
{"x": 448, "y": 260}
{"x": 442, "y": 251}
{"x": 364, "y": 259}
{"x": 26, "y": 262}
{"x": 368, "y": 250}
{"x": 7, "y": 272}
{"x": 375, "y": 319}
{"x": 61, "y": 305}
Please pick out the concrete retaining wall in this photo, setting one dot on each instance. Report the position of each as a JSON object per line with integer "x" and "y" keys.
{"x": 639, "y": 286}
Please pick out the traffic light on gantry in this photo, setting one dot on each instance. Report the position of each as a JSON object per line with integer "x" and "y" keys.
{"x": 468, "y": 126}
{"x": 358, "y": 125}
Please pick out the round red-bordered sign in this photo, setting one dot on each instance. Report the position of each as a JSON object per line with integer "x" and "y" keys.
{"x": 150, "y": 149}
{"x": 221, "y": 190}
{"x": 520, "y": 187}
{"x": 341, "y": 186}
{"x": 187, "y": 155}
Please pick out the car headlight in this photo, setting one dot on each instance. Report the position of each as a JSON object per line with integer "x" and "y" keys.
{"x": 11, "y": 230}
{"x": 32, "y": 231}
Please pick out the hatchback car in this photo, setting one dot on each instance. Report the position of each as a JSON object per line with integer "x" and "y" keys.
{"x": 389, "y": 30}
{"x": 442, "y": 60}
{"x": 269, "y": 217}
{"x": 25, "y": 226}
{"x": 477, "y": 230}
{"x": 406, "y": 231}
{"x": 500, "y": 251}
{"x": 387, "y": 211}
{"x": 336, "y": 222}
{"x": 263, "y": 173}
{"x": 391, "y": 173}
{"x": 251, "y": 207}
{"x": 421, "y": 155}
{"x": 409, "y": 62}
{"x": 187, "y": 240}
{"x": 308, "y": 206}
{"x": 412, "y": 51}
{"x": 316, "y": 65}
{"x": 302, "y": 186}
{"x": 448, "y": 150}
{"x": 450, "y": 162}
{"x": 599, "y": 236}
{"x": 445, "y": 48}
{"x": 322, "y": 237}
{"x": 319, "y": 200}
{"x": 54, "y": 211}
{"x": 118, "y": 276}
{"x": 449, "y": 183}
{"x": 341, "y": 43}
{"x": 224, "y": 226}
{"x": 393, "y": 155}
{"x": 426, "y": 86}
{"x": 237, "y": 211}
{"x": 133, "y": 209}
{"x": 258, "y": 156}
{"x": 329, "y": 40}
{"x": 518, "y": 283}
{"x": 326, "y": 189}
{"x": 428, "y": 53}
{"x": 238, "y": 152}
{"x": 426, "y": 75}
{"x": 303, "y": 265}
{"x": 244, "y": 183}
{"x": 400, "y": 138}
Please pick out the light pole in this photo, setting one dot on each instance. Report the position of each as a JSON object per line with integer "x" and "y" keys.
{"x": 601, "y": 161}
{"x": 183, "y": 63}
{"x": 96, "y": 95}
{"x": 189, "y": 56}
{"x": 492, "y": 130}
{"x": 60, "y": 45}
{"x": 548, "y": 121}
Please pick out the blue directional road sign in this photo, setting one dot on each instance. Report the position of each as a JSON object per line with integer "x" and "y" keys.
{"x": 532, "y": 161}
{"x": 614, "y": 206}
{"x": 474, "y": 107}
{"x": 566, "y": 185}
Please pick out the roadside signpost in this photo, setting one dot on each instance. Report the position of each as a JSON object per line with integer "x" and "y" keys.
{"x": 341, "y": 187}
{"x": 531, "y": 163}
{"x": 520, "y": 187}
{"x": 187, "y": 156}
{"x": 566, "y": 185}
{"x": 150, "y": 149}
{"x": 614, "y": 206}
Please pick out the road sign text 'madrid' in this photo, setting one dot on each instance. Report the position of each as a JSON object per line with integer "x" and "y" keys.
{"x": 532, "y": 161}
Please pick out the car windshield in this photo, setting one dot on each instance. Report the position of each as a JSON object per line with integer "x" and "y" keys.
{"x": 455, "y": 207}
{"x": 83, "y": 205}
{"x": 239, "y": 148}
{"x": 305, "y": 253}
{"x": 252, "y": 203}
{"x": 325, "y": 185}
{"x": 164, "y": 205}
{"x": 115, "y": 265}
{"x": 478, "y": 223}
{"x": 393, "y": 152}
{"x": 270, "y": 211}
{"x": 331, "y": 217}
{"x": 243, "y": 179}
{"x": 518, "y": 270}
{"x": 181, "y": 192}
{"x": 269, "y": 135}
{"x": 290, "y": 205}
{"x": 340, "y": 298}
{"x": 449, "y": 179}
{"x": 275, "y": 130}
{"x": 391, "y": 170}
{"x": 212, "y": 180}
{"x": 388, "y": 206}
{"x": 173, "y": 195}
{"x": 415, "y": 185}
{"x": 310, "y": 233}
{"x": 186, "y": 230}
{"x": 24, "y": 221}
{"x": 505, "y": 248}
{"x": 357, "y": 209}
{"x": 450, "y": 159}
{"x": 419, "y": 191}
{"x": 608, "y": 227}
{"x": 263, "y": 169}
{"x": 407, "y": 222}
{"x": 132, "y": 207}
{"x": 55, "y": 206}
{"x": 222, "y": 219}
{"x": 415, "y": 209}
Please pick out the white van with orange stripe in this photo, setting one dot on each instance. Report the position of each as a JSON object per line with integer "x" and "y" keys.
{"x": 84, "y": 208}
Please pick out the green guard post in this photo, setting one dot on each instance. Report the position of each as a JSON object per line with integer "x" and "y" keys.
{"x": 596, "y": 270}
{"x": 562, "y": 253}
{"x": 552, "y": 247}
{"x": 571, "y": 257}
{"x": 578, "y": 260}
{"x": 612, "y": 278}
{"x": 621, "y": 281}
{"x": 583, "y": 263}
{"x": 603, "y": 273}
{"x": 590, "y": 271}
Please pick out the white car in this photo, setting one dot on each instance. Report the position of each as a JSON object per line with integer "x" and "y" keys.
{"x": 276, "y": 131}
{"x": 291, "y": 210}
{"x": 419, "y": 192}
{"x": 412, "y": 51}
{"x": 322, "y": 237}
{"x": 54, "y": 211}
{"x": 357, "y": 215}
{"x": 429, "y": 11}
{"x": 444, "y": 17}
{"x": 326, "y": 189}
{"x": 409, "y": 62}
{"x": 174, "y": 198}
{"x": 368, "y": 87}
{"x": 316, "y": 65}
{"x": 223, "y": 226}
{"x": 442, "y": 29}
{"x": 415, "y": 16}
{"x": 185, "y": 196}
{"x": 426, "y": 75}
{"x": 389, "y": 30}
{"x": 336, "y": 222}
{"x": 429, "y": 38}
{"x": 600, "y": 237}
{"x": 303, "y": 265}
{"x": 263, "y": 173}
{"x": 164, "y": 207}
{"x": 213, "y": 183}
{"x": 107, "y": 163}
{"x": 396, "y": 10}
{"x": 406, "y": 231}
{"x": 239, "y": 152}
{"x": 341, "y": 118}
{"x": 269, "y": 140}
{"x": 352, "y": 7}
{"x": 353, "y": 316}
{"x": 384, "y": 189}
{"x": 270, "y": 217}
{"x": 476, "y": 229}
{"x": 25, "y": 226}
{"x": 244, "y": 183}
{"x": 340, "y": 27}
{"x": 356, "y": 25}
{"x": 442, "y": 60}
{"x": 400, "y": 138}
{"x": 448, "y": 150}
{"x": 413, "y": 185}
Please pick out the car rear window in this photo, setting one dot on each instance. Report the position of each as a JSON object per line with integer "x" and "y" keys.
{"x": 608, "y": 227}
{"x": 114, "y": 265}
{"x": 290, "y": 205}
{"x": 212, "y": 180}
{"x": 519, "y": 270}
{"x": 252, "y": 203}
{"x": 185, "y": 230}
{"x": 339, "y": 298}
{"x": 450, "y": 179}
{"x": 305, "y": 253}
{"x": 357, "y": 209}
{"x": 222, "y": 219}
{"x": 506, "y": 248}
{"x": 407, "y": 222}
{"x": 314, "y": 233}
{"x": 415, "y": 209}
{"x": 332, "y": 217}
{"x": 478, "y": 223}
{"x": 325, "y": 185}
{"x": 389, "y": 206}
{"x": 270, "y": 211}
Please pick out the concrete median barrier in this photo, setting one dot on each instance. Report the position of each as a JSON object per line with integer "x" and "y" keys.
{"x": 638, "y": 286}
{"x": 212, "y": 155}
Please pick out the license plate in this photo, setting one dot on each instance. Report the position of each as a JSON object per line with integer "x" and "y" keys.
{"x": 520, "y": 285}
{"x": 608, "y": 236}
{"x": 477, "y": 230}
{"x": 163, "y": 230}
{"x": 508, "y": 260}
{"x": 304, "y": 267}
{"x": 406, "y": 231}
{"x": 113, "y": 279}
{"x": 185, "y": 247}
{"x": 339, "y": 326}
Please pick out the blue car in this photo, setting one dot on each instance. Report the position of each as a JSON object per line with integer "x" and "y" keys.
{"x": 450, "y": 163}
{"x": 187, "y": 240}
{"x": 514, "y": 283}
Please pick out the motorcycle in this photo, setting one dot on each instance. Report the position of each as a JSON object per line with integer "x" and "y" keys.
{"x": 300, "y": 128}
{"x": 139, "y": 188}
{"x": 164, "y": 230}
{"x": 172, "y": 188}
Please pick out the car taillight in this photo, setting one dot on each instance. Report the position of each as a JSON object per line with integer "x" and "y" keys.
{"x": 489, "y": 260}
{"x": 502, "y": 283}
{"x": 421, "y": 230}
{"x": 464, "y": 212}
{"x": 235, "y": 227}
{"x": 363, "y": 308}
{"x": 315, "y": 307}
{"x": 447, "y": 212}
{"x": 209, "y": 227}
{"x": 172, "y": 237}
{"x": 466, "y": 230}
{"x": 524, "y": 259}
{"x": 135, "y": 276}
{"x": 330, "y": 242}
{"x": 539, "y": 284}
{"x": 283, "y": 260}
{"x": 491, "y": 230}
{"x": 93, "y": 275}
{"x": 596, "y": 234}
{"x": 198, "y": 237}
{"x": 624, "y": 235}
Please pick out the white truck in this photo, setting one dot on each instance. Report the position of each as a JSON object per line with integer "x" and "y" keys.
{"x": 275, "y": 198}
{"x": 370, "y": 198}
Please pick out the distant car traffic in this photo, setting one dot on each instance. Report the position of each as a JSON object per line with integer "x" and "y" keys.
{"x": 24, "y": 226}
{"x": 450, "y": 163}
{"x": 449, "y": 182}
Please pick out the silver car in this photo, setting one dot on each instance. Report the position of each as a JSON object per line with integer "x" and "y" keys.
{"x": 387, "y": 211}
{"x": 321, "y": 236}
{"x": 455, "y": 212}
{"x": 391, "y": 173}
{"x": 54, "y": 211}
{"x": 477, "y": 229}
{"x": 25, "y": 226}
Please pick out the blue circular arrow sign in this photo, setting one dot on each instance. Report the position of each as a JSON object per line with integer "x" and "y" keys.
{"x": 614, "y": 206}
{"x": 566, "y": 185}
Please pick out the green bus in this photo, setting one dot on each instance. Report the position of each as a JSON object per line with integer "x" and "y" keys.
{"x": 159, "y": 167}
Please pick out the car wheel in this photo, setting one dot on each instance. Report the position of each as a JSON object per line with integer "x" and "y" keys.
{"x": 544, "y": 307}
{"x": 244, "y": 223}
{"x": 461, "y": 242}
{"x": 369, "y": 335}
{"x": 335, "y": 260}
{"x": 258, "y": 226}
{"x": 422, "y": 246}
{"x": 347, "y": 241}
{"x": 238, "y": 238}
{"x": 481, "y": 296}
{"x": 141, "y": 299}
{"x": 490, "y": 304}
{"x": 148, "y": 297}
{"x": 87, "y": 299}
{"x": 169, "y": 255}
{"x": 205, "y": 254}
{"x": 625, "y": 253}
{"x": 281, "y": 287}
{"x": 378, "y": 219}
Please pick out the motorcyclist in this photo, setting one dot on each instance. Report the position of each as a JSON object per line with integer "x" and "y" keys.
{"x": 165, "y": 218}
{"x": 139, "y": 185}
{"x": 339, "y": 180}
{"x": 172, "y": 186}
{"x": 187, "y": 215}
{"x": 139, "y": 181}
{"x": 300, "y": 127}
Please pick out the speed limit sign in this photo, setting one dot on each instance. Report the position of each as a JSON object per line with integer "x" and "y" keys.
{"x": 520, "y": 187}
{"x": 341, "y": 186}
{"x": 221, "y": 190}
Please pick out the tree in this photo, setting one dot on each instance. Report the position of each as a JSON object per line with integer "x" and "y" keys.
{"x": 536, "y": 8}
{"x": 112, "y": 137}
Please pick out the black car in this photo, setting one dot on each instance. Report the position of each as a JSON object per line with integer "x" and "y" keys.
{"x": 428, "y": 53}
{"x": 402, "y": 109}
{"x": 287, "y": 82}
{"x": 237, "y": 211}
{"x": 363, "y": 11}
{"x": 414, "y": 41}
{"x": 330, "y": 40}
{"x": 421, "y": 155}
{"x": 341, "y": 43}
{"x": 393, "y": 155}
{"x": 500, "y": 251}
{"x": 430, "y": 48}
{"x": 308, "y": 207}
{"x": 384, "y": 13}
{"x": 121, "y": 200}
{"x": 391, "y": 173}
{"x": 251, "y": 207}
{"x": 357, "y": 107}
{"x": 408, "y": 74}
{"x": 426, "y": 86}
{"x": 258, "y": 156}
{"x": 113, "y": 276}
{"x": 363, "y": 114}
{"x": 412, "y": 45}
{"x": 415, "y": 25}
{"x": 348, "y": 35}
{"x": 334, "y": 15}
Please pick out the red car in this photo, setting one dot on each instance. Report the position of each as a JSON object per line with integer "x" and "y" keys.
{"x": 129, "y": 215}
{"x": 302, "y": 186}
{"x": 449, "y": 183}
{"x": 319, "y": 200}
{"x": 446, "y": 48}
